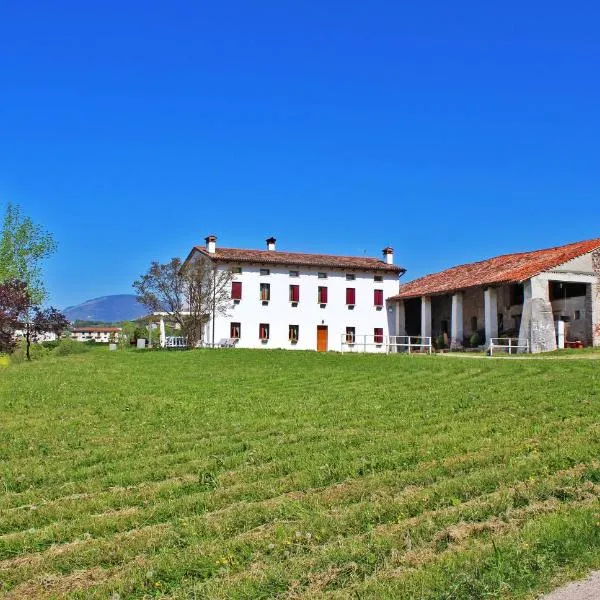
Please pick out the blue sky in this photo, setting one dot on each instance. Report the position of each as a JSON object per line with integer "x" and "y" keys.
{"x": 452, "y": 131}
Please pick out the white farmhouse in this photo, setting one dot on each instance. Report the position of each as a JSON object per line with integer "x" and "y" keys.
{"x": 303, "y": 301}
{"x": 100, "y": 334}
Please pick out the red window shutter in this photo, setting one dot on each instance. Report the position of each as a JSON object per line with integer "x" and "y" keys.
{"x": 236, "y": 290}
{"x": 378, "y": 331}
{"x": 295, "y": 293}
{"x": 323, "y": 295}
{"x": 378, "y": 297}
{"x": 350, "y": 296}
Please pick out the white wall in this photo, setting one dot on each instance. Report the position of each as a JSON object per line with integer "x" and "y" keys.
{"x": 280, "y": 313}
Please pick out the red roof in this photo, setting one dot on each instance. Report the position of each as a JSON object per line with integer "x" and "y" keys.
{"x": 509, "y": 268}
{"x": 275, "y": 257}
{"x": 96, "y": 329}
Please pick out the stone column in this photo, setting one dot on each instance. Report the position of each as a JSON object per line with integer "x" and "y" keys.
{"x": 400, "y": 318}
{"x": 425, "y": 316}
{"x": 537, "y": 320}
{"x": 163, "y": 337}
{"x": 456, "y": 321}
{"x": 592, "y": 314}
{"x": 560, "y": 334}
{"x": 490, "y": 297}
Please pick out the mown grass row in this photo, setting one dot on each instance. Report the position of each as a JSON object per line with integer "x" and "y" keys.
{"x": 276, "y": 474}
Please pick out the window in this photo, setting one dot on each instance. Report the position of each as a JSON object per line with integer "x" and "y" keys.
{"x": 500, "y": 322}
{"x": 378, "y": 335}
{"x": 265, "y": 292}
{"x": 350, "y": 276}
{"x": 263, "y": 331}
{"x": 265, "y": 272}
{"x": 236, "y": 290}
{"x": 293, "y": 331}
{"x": 350, "y": 335}
{"x": 322, "y": 275}
{"x": 517, "y": 294}
{"x": 377, "y": 277}
{"x": 236, "y": 269}
{"x": 294, "y": 273}
{"x": 322, "y": 294}
{"x": 235, "y": 330}
{"x": 577, "y": 315}
{"x": 350, "y": 296}
{"x": 294, "y": 293}
{"x": 473, "y": 323}
{"x": 378, "y": 297}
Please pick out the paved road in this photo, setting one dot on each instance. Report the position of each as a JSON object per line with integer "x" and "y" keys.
{"x": 588, "y": 589}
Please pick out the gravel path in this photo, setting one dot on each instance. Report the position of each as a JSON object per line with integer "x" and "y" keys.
{"x": 587, "y": 589}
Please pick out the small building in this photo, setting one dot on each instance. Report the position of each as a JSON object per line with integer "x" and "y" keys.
{"x": 100, "y": 334}
{"x": 534, "y": 296}
{"x": 297, "y": 300}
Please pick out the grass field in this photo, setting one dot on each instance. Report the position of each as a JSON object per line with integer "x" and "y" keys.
{"x": 257, "y": 474}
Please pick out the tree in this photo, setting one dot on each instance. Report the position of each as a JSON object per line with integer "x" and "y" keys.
{"x": 23, "y": 245}
{"x": 192, "y": 293}
{"x": 15, "y": 301}
{"x": 49, "y": 320}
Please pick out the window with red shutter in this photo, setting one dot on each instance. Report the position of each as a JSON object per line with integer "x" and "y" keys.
{"x": 350, "y": 296}
{"x": 294, "y": 293}
{"x": 378, "y": 334}
{"x": 236, "y": 290}
{"x": 378, "y": 297}
{"x": 322, "y": 295}
{"x": 263, "y": 331}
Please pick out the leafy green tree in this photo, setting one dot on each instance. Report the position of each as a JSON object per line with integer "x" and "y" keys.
{"x": 23, "y": 246}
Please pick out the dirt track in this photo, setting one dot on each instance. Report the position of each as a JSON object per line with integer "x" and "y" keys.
{"x": 587, "y": 589}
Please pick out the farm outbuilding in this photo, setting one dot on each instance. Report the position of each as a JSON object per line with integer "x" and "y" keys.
{"x": 544, "y": 299}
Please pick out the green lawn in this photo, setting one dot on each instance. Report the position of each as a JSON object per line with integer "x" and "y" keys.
{"x": 258, "y": 474}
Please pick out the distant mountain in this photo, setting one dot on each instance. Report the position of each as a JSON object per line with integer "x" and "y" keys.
{"x": 108, "y": 309}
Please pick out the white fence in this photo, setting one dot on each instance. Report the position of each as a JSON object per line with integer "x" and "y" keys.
{"x": 409, "y": 343}
{"x": 384, "y": 343}
{"x": 175, "y": 342}
{"x": 508, "y": 345}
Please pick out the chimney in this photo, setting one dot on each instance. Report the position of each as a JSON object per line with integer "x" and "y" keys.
{"x": 388, "y": 255}
{"x": 271, "y": 243}
{"x": 211, "y": 243}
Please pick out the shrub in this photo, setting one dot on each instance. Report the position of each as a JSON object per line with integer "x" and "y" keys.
{"x": 477, "y": 338}
{"x": 68, "y": 346}
{"x": 36, "y": 351}
{"x": 51, "y": 345}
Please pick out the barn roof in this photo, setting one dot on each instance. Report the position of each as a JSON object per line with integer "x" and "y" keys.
{"x": 508, "y": 268}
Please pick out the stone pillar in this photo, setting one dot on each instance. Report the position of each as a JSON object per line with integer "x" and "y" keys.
{"x": 425, "y": 316}
{"x": 456, "y": 321}
{"x": 163, "y": 337}
{"x": 537, "y": 287}
{"x": 537, "y": 320}
{"x": 592, "y": 314}
{"x": 400, "y": 318}
{"x": 490, "y": 298}
{"x": 560, "y": 334}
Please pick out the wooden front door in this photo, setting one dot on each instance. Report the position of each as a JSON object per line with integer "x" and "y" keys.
{"x": 321, "y": 338}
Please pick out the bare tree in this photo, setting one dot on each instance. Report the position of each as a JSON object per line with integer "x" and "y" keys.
{"x": 192, "y": 293}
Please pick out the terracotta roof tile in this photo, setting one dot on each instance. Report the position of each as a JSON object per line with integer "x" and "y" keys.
{"x": 276, "y": 257}
{"x": 509, "y": 268}
{"x": 96, "y": 329}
